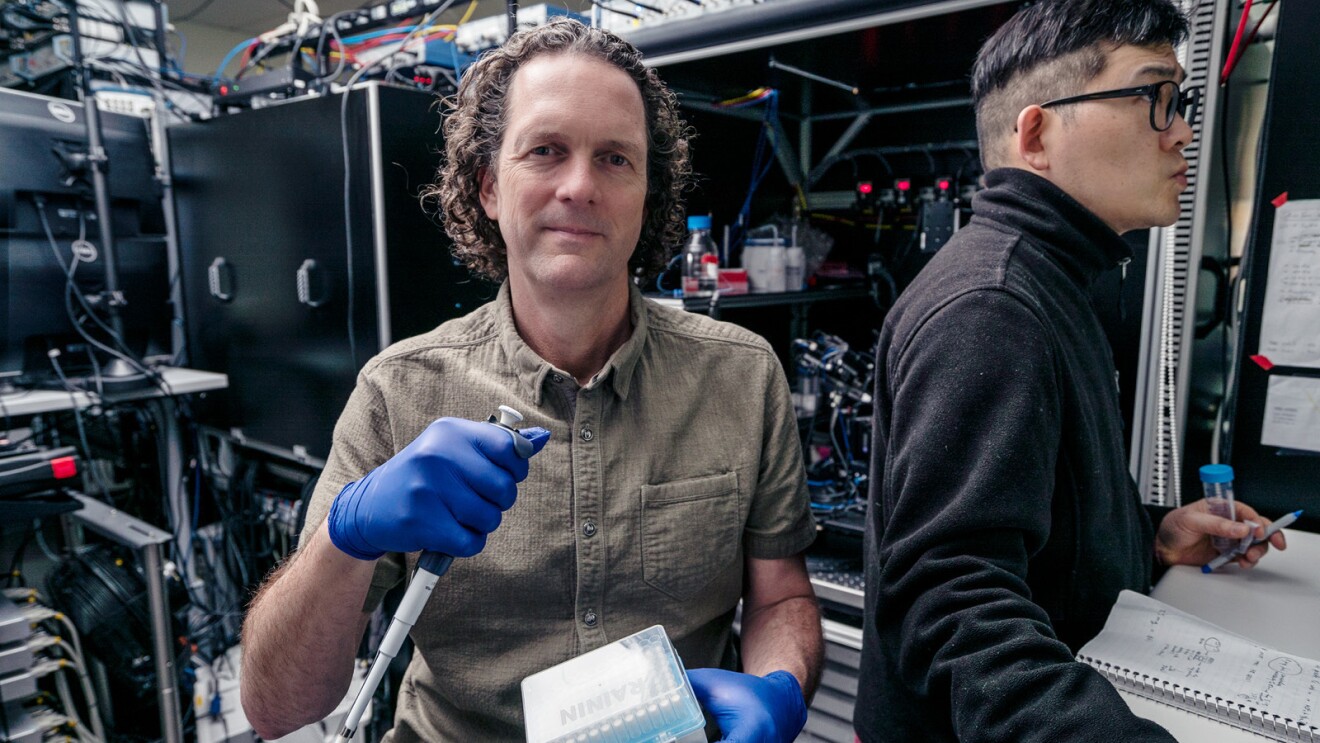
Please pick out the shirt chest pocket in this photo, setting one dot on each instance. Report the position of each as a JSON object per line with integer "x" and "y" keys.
{"x": 691, "y": 530}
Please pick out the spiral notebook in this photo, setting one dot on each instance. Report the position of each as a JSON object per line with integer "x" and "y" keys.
{"x": 1156, "y": 651}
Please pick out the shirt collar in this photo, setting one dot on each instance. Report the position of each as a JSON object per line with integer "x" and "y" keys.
{"x": 532, "y": 370}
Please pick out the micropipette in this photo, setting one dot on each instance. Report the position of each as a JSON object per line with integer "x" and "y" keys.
{"x": 430, "y": 566}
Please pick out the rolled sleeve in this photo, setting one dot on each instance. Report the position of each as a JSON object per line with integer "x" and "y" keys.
{"x": 362, "y": 442}
{"x": 779, "y": 523}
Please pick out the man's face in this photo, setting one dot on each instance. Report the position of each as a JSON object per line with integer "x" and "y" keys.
{"x": 1107, "y": 156}
{"x": 569, "y": 183}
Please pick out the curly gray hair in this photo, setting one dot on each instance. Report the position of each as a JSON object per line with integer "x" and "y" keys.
{"x": 474, "y": 130}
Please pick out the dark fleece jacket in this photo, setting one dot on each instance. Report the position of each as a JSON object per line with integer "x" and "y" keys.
{"x": 1003, "y": 521}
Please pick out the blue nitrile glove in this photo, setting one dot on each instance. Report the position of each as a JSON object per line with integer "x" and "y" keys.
{"x": 751, "y": 709}
{"x": 444, "y": 492}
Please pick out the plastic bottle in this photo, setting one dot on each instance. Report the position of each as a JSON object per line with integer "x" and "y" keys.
{"x": 1217, "y": 483}
{"x": 701, "y": 264}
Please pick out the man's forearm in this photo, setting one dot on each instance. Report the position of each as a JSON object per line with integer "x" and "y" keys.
{"x": 784, "y": 636}
{"x": 301, "y": 633}
{"x": 781, "y": 621}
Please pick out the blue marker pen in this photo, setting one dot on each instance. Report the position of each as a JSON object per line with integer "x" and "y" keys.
{"x": 1223, "y": 559}
{"x": 1280, "y": 524}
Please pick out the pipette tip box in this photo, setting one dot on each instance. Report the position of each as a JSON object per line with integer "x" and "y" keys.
{"x": 633, "y": 690}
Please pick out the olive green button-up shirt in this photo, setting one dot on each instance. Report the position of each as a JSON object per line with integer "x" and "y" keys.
{"x": 679, "y": 459}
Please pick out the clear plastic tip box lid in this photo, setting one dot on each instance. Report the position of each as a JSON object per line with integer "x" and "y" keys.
{"x": 633, "y": 690}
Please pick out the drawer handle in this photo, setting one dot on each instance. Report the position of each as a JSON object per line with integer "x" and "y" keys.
{"x": 304, "y": 283}
{"x": 220, "y": 280}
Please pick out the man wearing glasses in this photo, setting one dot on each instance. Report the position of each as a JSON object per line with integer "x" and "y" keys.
{"x": 1003, "y": 522}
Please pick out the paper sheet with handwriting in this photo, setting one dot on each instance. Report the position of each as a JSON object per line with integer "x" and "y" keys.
{"x": 1292, "y": 295}
{"x": 1150, "y": 637}
{"x": 1292, "y": 413}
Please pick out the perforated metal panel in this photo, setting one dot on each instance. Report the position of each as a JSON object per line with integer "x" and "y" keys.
{"x": 830, "y": 718}
{"x": 1159, "y": 415}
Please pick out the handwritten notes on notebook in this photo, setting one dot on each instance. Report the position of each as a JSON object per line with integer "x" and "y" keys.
{"x": 1154, "y": 648}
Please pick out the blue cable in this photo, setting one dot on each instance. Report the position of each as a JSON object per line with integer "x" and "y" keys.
{"x": 756, "y": 166}
{"x": 668, "y": 266}
{"x": 183, "y": 51}
{"x": 119, "y": 89}
{"x": 762, "y": 163}
{"x": 197, "y": 495}
{"x": 229, "y": 58}
{"x": 847, "y": 446}
{"x": 377, "y": 34}
{"x": 453, "y": 54}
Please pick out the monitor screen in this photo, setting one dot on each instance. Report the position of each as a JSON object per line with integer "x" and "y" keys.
{"x": 43, "y": 145}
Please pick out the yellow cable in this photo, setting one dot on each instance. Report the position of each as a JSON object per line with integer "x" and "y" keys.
{"x": 753, "y": 95}
{"x": 472, "y": 6}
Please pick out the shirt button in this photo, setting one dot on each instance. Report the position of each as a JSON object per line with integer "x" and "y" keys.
{"x": 557, "y": 378}
{"x": 589, "y": 618}
{"x": 589, "y": 528}
{"x": 586, "y": 433}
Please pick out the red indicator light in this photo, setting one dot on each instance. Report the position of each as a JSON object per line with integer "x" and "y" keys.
{"x": 903, "y": 184}
{"x": 944, "y": 185}
{"x": 64, "y": 467}
{"x": 864, "y": 187}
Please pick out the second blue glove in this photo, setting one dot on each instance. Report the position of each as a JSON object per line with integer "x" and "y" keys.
{"x": 751, "y": 709}
{"x": 444, "y": 492}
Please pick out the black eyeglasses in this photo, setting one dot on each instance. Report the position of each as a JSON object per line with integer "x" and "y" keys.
{"x": 1167, "y": 100}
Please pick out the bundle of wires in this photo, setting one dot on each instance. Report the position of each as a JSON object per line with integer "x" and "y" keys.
{"x": 54, "y": 632}
{"x": 89, "y": 319}
{"x": 305, "y": 15}
{"x": 764, "y": 158}
{"x": 351, "y": 46}
{"x": 43, "y": 21}
{"x": 343, "y": 51}
{"x": 838, "y": 480}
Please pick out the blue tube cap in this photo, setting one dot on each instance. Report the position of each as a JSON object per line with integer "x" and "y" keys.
{"x": 1216, "y": 473}
{"x": 699, "y": 222}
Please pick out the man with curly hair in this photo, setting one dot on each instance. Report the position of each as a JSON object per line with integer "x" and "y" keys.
{"x": 670, "y": 484}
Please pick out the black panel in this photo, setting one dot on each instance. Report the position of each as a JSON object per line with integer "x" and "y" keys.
{"x": 1273, "y": 480}
{"x": 263, "y": 190}
{"x": 427, "y": 285}
{"x": 41, "y": 136}
{"x": 40, "y": 140}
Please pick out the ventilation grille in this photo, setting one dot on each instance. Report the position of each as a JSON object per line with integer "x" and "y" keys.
{"x": 1175, "y": 257}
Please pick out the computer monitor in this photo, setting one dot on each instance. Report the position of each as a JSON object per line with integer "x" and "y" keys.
{"x": 43, "y": 145}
